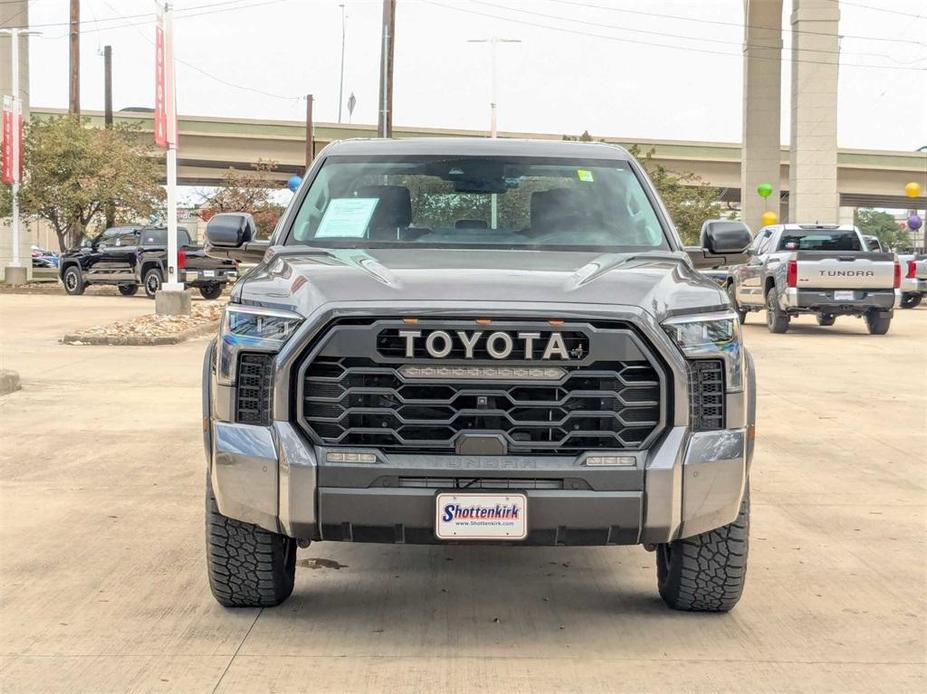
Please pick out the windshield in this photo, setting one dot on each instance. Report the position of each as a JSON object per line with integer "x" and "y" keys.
{"x": 818, "y": 240}
{"x": 477, "y": 202}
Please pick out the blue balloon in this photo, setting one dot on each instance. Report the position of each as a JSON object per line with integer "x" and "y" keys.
{"x": 294, "y": 182}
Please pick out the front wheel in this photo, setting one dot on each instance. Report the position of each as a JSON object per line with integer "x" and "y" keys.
{"x": 878, "y": 322}
{"x": 826, "y": 319}
{"x": 211, "y": 291}
{"x": 706, "y": 573}
{"x": 910, "y": 300}
{"x": 247, "y": 565}
{"x": 73, "y": 281}
{"x": 741, "y": 314}
{"x": 777, "y": 320}
{"x": 128, "y": 289}
{"x": 152, "y": 281}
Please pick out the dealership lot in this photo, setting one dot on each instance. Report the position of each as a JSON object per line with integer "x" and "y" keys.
{"x": 102, "y": 570}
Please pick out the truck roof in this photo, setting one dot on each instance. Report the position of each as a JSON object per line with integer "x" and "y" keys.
{"x": 478, "y": 146}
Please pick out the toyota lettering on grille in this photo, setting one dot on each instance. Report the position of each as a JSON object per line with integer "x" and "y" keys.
{"x": 499, "y": 345}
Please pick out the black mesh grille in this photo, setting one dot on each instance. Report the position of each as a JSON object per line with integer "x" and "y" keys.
{"x": 706, "y": 399}
{"x": 255, "y": 387}
{"x": 355, "y": 401}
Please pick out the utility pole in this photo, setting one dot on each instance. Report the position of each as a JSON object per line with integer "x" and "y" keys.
{"x": 341, "y": 81}
{"x": 74, "y": 96}
{"x": 310, "y": 133}
{"x": 385, "y": 121}
{"x": 493, "y": 42}
{"x": 108, "y": 118}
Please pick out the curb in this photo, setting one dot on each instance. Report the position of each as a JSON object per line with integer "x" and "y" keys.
{"x": 9, "y": 382}
{"x": 137, "y": 341}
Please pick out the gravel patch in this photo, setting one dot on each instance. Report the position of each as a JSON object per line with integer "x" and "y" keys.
{"x": 152, "y": 329}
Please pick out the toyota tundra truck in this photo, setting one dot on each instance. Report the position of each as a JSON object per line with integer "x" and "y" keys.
{"x": 461, "y": 341}
{"x": 823, "y": 269}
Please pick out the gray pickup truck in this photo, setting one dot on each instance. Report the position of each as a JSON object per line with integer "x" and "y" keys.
{"x": 477, "y": 341}
{"x": 824, "y": 269}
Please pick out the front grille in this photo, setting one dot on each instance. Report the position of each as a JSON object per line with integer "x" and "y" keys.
{"x": 255, "y": 388}
{"x": 360, "y": 401}
{"x": 706, "y": 394}
{"x": 471, "y": 483}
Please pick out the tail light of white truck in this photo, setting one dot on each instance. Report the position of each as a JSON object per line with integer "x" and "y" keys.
{"x": 791, "y": 274}
{"x": 897, "y": 282}
{"x": 912, "y": 270}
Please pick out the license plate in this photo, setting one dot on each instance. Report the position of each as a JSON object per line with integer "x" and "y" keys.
{"x": 844, "y": 296}
{"x": 209, "y": 273}
{"x": 481, "y": 517}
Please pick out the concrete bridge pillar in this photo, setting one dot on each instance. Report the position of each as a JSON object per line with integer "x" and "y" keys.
{"x": 761, "y": 108}
{"x": 813, "y": 154}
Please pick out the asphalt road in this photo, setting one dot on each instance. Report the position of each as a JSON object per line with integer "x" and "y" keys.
{"x": 103, "y": 580}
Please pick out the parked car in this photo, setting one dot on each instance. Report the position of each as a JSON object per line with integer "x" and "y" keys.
{"x": 913, "y": 279}
{"x": 134, "y": 256}
{"x": 824, "y": 269}
{"x": 419, "y": 370}
{"x": 43, "y": 258}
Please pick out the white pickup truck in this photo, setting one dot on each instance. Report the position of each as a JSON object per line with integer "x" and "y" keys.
{"x": 913, "y": 280}
{"x": 822, "y": 269}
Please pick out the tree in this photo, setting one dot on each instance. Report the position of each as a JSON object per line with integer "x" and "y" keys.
{"x": 72, "y": 171}
{"x": 689, "y": 200}
{"x": 247, "y": 191}
{"x": 884, "y": 226}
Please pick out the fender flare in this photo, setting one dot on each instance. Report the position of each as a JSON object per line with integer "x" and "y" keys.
{"x": 751, "y": 406}
{"x": 209, "y": 359}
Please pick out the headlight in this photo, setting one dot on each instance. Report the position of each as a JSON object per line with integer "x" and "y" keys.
{"x": 252, "y": 328}
{"x": 711, "y": 334}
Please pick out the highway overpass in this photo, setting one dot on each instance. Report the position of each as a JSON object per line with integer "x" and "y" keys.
{"x": 210, "y": 145}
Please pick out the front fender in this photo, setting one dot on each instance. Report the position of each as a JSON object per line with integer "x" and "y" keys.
{"x": 209, "y": 359}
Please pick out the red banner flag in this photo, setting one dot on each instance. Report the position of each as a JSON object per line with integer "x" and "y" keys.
{"x": 9, "y": 165}
{"x": 160, "y": 117}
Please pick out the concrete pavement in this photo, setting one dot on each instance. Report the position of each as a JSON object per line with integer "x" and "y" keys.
{"x": 103, "y": 581}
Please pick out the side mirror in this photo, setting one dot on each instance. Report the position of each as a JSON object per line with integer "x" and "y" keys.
{"x": 230, "y": 230}
{"x": 725, "y": 237}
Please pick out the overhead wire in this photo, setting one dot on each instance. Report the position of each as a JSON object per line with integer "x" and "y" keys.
{"x": 677, "y": 47}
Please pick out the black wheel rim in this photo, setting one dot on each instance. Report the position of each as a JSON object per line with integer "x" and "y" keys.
{"x": 769, "y": 309}
{"x": 152, "y": 284}
{"x": 70, "y": 280}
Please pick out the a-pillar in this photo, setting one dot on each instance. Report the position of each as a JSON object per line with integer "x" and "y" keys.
{"x": 761, "y": 104}
{"x": 813, "y": 153}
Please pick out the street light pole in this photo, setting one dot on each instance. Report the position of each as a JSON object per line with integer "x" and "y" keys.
{"x": 493, "y": 42}
{"x": 341, "y": 81}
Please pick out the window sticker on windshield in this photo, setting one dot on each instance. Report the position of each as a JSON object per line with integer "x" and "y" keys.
{"x": 346, "y": 217}
{"x": 585, "y": 175}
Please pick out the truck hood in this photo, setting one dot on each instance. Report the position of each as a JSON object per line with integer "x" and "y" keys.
{"x": 662, "y": 283}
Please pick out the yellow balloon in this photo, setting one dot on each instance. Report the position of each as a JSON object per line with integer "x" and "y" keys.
{"x": 769, "y": 218}
{"x": 912, "y": 189}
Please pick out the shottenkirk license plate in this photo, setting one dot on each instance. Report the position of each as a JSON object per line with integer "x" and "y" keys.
{"x": 209, "y": 273}
{"x": 481, "y": 516}
{"x": 844, "y": 296}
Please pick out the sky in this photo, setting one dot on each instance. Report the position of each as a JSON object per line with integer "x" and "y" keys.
{"x": 632, "y": 69}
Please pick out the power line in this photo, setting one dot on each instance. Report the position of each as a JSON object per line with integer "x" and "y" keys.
{"x": 699, "y": 20}
{"x": 725, "y": 42}
{"x": 619, "y": 39}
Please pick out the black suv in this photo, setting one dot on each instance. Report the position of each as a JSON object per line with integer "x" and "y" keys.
{"x": 131, "y": 256}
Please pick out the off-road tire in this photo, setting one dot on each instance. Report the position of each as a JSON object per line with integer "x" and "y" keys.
{"x": 128, "y": 289}
{"x": 911, "y": 300}
{"x": 741, "y": 314}
{"x": 247, "y": 565}
{"x": 152, "y": 281}
{"x": 777, "y": 320}
{"x": 826, "y": 319}
{"x": 73, "y": 281}
{"x": 211, "y": 291}
{"x": 706, "y": 573}
{"x": 878, "y": 322}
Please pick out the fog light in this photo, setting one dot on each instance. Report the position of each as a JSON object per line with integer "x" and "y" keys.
{"x": 623, "y": 460}
{"x": 350, "y": 457}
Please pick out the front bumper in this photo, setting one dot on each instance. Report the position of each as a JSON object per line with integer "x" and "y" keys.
{"x": 684, "y": 484}
{"x": 823, "y": 300}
